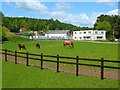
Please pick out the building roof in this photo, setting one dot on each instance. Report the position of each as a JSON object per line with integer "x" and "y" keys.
{"x": 23, "y": 28}
{"x": 90, "y": 30}
{"x": 57, "y": 31}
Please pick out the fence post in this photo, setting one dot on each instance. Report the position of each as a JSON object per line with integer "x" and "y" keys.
{"x": 27, "y": 58}
{"x": 77, "y": 65}
{"x": 57, "y": 63}
{"x": 5, "y": 54}
{"x": 102, "y": 68}
{"x": 41, "y": 61}
{"x": 15, "y": 57}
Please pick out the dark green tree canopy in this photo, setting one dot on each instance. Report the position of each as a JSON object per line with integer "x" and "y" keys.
{"x": 109, "y": 23}
{"x": 15, "y": 23}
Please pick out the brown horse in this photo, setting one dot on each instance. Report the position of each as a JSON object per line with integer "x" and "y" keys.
{"x": 21, "y": 46}
{"x": 37, "y": 45}
{"x": 68, "y": 43}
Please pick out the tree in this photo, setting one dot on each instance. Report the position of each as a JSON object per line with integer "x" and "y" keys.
{"x": 15, "y": 23}
{"x": 114, "y": 21}
{"x": 104, "y": 26}
{"x": 1, "y": 14}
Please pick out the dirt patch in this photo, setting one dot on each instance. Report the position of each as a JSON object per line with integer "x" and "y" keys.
{"x": 110, "y": 74}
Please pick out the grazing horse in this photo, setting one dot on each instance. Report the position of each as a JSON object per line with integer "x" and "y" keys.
{"x": 21, "y": 46}
{"x": 37, "y": 45}
{"x": 68, "y": 43}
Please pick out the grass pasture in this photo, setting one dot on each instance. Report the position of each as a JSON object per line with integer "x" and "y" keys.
{"x": 82, "y": 49}
{"x": 21, "y": 76}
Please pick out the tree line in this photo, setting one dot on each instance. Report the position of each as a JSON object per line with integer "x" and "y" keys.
{"x": 104, "y": 22}
{"x": 109, "y": 23}
{"x": 33, "y": 24}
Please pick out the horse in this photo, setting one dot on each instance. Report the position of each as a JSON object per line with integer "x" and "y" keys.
{"x": 68, "y": 43}
{"x": 37, "y": 45}
{"x": 21, "y": 46}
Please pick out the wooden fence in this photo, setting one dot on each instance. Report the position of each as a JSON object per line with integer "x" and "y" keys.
{"x": 58, "y": 57}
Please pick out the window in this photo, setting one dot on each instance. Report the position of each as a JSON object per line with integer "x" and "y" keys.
{"x": 89, "y": 31}
{"x": 84, "y": 32}
{"x": 79, "y": 37}
{"x": 75, "y": 32}
{"x": 96, "y": 32}
{"x": 99, "y": 37}
{"x": 102, "y": 32}
{"x": 86, "y": 37}
{"x": 80, "y": 32}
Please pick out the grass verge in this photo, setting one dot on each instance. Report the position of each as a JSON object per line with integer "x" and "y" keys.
{"x": 21, "y": 76}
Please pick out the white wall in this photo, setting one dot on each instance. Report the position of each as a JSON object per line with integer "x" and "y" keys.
{"x": 56, "y": 35}
{"x": 89, "y": 35}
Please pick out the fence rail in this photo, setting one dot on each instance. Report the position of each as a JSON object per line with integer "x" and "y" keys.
{"x": 58, "y": 57}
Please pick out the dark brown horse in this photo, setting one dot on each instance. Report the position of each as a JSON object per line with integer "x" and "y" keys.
{"x": 21, "y": 46}
{"x": 37, "y": 45}
{"x": 68, "y": 43}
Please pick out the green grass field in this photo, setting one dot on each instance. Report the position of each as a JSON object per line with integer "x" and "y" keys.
{"x": 21, "y": 76}
{"x": 82, "y": 49}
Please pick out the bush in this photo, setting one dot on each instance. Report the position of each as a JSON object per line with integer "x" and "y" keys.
{"x": 4, "y": 39}
{"x": 112, "y": 39}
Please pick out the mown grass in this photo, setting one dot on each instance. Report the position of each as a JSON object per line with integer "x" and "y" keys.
{"x": 82, "y": 49}
{"x": 21, "y": 76}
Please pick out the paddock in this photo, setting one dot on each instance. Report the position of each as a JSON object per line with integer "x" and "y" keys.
{"x": 81, "y": 49}
{"x": 36, "y": 78}
{"x": 54, "y": 47}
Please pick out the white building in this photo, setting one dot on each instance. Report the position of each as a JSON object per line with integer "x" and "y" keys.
{"x": 63, "y": 34}
{"x": 89, "y": 35}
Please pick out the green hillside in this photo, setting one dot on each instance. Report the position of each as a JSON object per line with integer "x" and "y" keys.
{"x": 9, "y": 36}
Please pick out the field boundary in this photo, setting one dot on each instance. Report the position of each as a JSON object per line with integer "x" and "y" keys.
{"x": 58, "y": 62}
{"x": 103, "y": 42}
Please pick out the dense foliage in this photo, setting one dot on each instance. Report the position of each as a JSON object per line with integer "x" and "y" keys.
{"x": 1, "y": 15}
{"x": 15, "y": 23}
{"x": 104, "y": 22}
{"x": 8, "y": 36}
{"x": 5, "y": 34}
{"x": 109, "y": 23}
{"x": 33, "y": 24}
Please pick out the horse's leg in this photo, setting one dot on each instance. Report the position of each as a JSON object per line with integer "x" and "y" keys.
{"x": 70, "y": 45}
